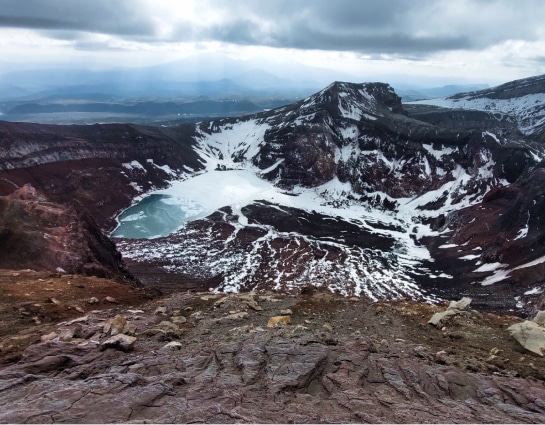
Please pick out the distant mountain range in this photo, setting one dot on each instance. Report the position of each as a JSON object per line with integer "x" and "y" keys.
{"x": 153, "y": 95}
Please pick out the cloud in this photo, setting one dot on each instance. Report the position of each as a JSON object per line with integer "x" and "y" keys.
{"x": 120, "y": 17}
{"x": 409, "y": 29}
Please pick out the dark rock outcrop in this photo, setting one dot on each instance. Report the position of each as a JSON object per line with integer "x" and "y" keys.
{"x": 41, "y": 235}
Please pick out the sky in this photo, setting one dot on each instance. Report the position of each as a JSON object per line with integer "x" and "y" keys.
{"x": 421, "y": 41}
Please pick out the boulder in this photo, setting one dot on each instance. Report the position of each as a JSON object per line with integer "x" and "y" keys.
{"x": 119, "y": 342}
{"x": 530, "y": 335}
{"x": 454, "y": 308}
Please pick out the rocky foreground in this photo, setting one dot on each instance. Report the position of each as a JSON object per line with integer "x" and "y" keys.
{"x": 87, "y": 354}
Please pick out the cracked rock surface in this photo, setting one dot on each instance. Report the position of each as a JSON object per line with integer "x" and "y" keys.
{"x": 196, "y": 358}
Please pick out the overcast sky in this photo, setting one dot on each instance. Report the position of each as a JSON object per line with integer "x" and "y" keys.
{"x": 489, "y": 41}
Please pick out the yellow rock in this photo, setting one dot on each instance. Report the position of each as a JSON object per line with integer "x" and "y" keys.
{"x": 273, "y": 321}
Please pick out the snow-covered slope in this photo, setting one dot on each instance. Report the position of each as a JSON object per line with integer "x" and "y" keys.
{"x": 522, "y": 99}
{"x": 355, "y": 196}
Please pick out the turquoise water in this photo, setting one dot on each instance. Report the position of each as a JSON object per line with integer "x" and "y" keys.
{"x": 154, "y": 216}
{"x": 163, "y": 212}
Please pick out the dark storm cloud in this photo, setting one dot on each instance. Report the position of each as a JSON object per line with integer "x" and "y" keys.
{"x": 387, "y": 26}
{"x": 119, "y": 17}
{"x": 405, "y": 28}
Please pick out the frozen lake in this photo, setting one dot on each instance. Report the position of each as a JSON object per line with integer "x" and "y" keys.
{"x": 164, "y": 211}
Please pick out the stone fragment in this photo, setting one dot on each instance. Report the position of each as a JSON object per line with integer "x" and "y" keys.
{"x": 441, "y": 357}
{"x": 129, "y": 329}
{"x": 169, "y": 329}
{"x": 48, "y": 337}
{"x": 459, "y": 305}
{"x": 530, "y": 335}
{"x": 172, "y": 346}
{"x": 235, "y": 316}
{"x": 178, "y": 319}
{"x": 286, "y": 312}
{"x": 495, "y": 351}
{"x": 53, "y": 301}
{"x": 110, "y": 300}
{"x": 273, "y": 321}
{"x": 353, "y": 299}
{"x": 539, "y": 318}
{"x": 253, "y": 305}
{"x": 210, "y": 297}
{"x": 440, "y": 316}
{"x": 220, "y": 301}
{"x": 161, "y": 310}
{"x": 119, "y": 342}
{"x": 93, "y": 300}
{"x": 78, "y": 320}
{"x": 498, "y": 361}
{"x": 114, "y": 326}
{"x": 165, "y": 325}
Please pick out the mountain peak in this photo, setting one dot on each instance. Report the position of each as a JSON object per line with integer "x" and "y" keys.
{"x": 512, "y": 89}
{"x": 354, "y": 100}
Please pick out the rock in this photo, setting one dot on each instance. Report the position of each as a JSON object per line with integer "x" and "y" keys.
{"x": 110, "y": 300}
{"x": 93, "y": 300}
{"x": 172, "y": 346}
{"x": 275, "y": 320}
{"x": 78, "y": 320}
{"x": 498, "y": 361}
{"x": 539, "y": 318}
{"x": 220, "y": 301}
{"x": 53, "y": 301}
{"x": 530, "y": 335}
{"x": 210, "y": 297}
{"x": 440, "y": 316}
{"x": 165, "y": 325}
{"x": 119, "y": 342}
{"x": 161, "y": 310}
{"x": 234, "y": 316}
{"x": 353, "y": 299}
{"x": 178, "y": 319}
{"x": 48, "y": 337}
{"x": 495, "y": 351}
{"x": 286, "y": 312}
{"x": 253, "y": 305}
{"x": 459, "y": 305}
{"x": 114, "y": 326}
{"x": 129, "y": 329}
{"x": 441, "y": 357}
{"x": 168, "y": 329}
